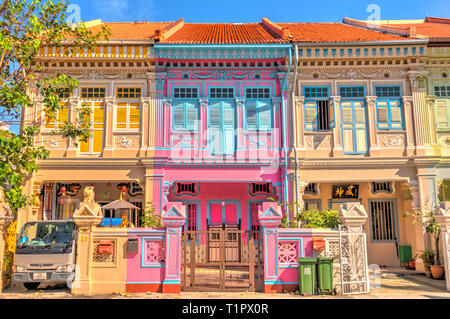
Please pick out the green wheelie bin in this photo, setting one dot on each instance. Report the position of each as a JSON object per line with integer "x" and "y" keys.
{"x": 307, "y": 276}
{"x": 325, "y": 275}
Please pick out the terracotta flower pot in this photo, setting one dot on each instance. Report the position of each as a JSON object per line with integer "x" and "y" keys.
{"x": 412, "y": 264}
{"x": 437, "y": 271}
{"x": 427, "y": 273}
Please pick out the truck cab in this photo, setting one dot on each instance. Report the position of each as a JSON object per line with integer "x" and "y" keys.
{"x": 45, "y": 253}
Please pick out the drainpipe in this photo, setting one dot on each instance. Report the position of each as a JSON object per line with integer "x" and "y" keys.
{"x": 293, "y": 123}
{"x": 283, "y": 114}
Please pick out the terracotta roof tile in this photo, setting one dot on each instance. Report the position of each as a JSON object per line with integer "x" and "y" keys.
{"x": 426, "y": 29}
{"x": 131, "y": 30}
{"x": 222, "y": 33}
{"x": 334, "y": 32}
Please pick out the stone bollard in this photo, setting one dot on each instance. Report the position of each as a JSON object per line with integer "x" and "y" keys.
{"x": 353, "y": 215}
{"x": 86, "y": 218}
{"x": 173, "y": 219}
{"x": 5, "y": 218}
{"x": 442, "y": 215}
{"x": 269, "y": 217}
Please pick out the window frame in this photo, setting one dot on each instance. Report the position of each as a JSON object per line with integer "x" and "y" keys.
{"x": 259, "y": 126}
{"x": 128, "y": 88}
{"x": 390, "y": 100}
{"x": 187, "y": 103}
{"x": 93, "y": 106}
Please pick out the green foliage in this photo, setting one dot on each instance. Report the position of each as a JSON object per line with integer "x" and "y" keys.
{"x": 26, "y": 27}
{"x": 428, "y": 257}
{"x": 431, "y": 226}
{"x": 319, "y": 219}
{"x": 150, "y": 219}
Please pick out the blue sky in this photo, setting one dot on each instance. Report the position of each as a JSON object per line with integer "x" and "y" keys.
{"x": 253, "y": 11}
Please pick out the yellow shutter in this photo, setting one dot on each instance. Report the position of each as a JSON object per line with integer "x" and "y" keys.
{"x": 98, "y": 141}
{"x": 442, "y": 114}
{"x": 99, "y": 113}
{"x": 383, "y": 116}
{"x": 84, "y": 146}
{"x": 121, "y": 115}
{"x": 134, "y": 115}
{"x": 49, "y": 119}
{"x": 63, "y": 115}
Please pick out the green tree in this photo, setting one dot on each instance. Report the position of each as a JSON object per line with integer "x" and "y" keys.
{"x": 26, "y": 27}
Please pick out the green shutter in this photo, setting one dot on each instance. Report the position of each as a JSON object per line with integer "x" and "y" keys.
{"x": 442, "y": 113}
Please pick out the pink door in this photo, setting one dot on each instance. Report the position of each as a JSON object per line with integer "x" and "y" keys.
{"x": 231, "y": 214}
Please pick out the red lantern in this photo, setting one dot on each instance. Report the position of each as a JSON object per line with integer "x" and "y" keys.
{"x": 63, "y": 191}
{"x": 124, "y": 190}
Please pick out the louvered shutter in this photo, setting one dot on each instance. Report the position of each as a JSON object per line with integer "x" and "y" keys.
{"x": 192, "y": 116}
{"x": 178, "y": 116}
{"x": 332, "y": 121}
{"x": 121, "y": 115}
{"x": 63, "y": 114}
{"x": 265, "y": 115}
{"x": 251, "y": 115}
{"x": 134, "y": 115}
{"x": 310, "y": 115}
{"x": 442, "y": 113}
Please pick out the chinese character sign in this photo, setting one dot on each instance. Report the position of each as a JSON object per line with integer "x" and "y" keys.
{"x": 346, "y": 191}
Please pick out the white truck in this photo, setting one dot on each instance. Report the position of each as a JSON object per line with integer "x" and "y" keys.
{"x": 45, "y": 253}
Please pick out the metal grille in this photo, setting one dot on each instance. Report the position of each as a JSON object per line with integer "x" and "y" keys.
{"x": 382, "y": 220}
{"x": 323, "y": 116}
{"x": 221, "y": 260}
{"x": 98, "y": 257}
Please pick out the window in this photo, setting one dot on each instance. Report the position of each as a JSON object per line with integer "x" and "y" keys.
{"x": 191, "y": 224}
{"x": 311, "y": 204}
{"x": 257, "y": 189}
{"x": 258, "y": 108}
{"x": 319, "y": 109}
{"x": 57, "y": 121}
{"x": 316, "y": 92}
{"x": 442, "y": 91}
{"x": 389, "y": 108}
{"x": 444, "y": 192}
{"x": 127, "y": 115}
{"x": 254, "y": 207}
{"x": 352, "y": 92}
{"x": 93, "y": 93}
{"x": 382, "y": 220}
{"x": 185, "y": 93}
{"x": 311, "y": 189}
{"x": 129, "y": 93}
{"x": 221, "y": 93}
{"x": 384, "y": 187}
{"x": 97, "y": 117}
{"x": 257, "y": 93}
{"x": 186, "y": 189}
{"x": 387, "y": 91}
{"x": 185, "y": 113}
{"x": 64, "y": 93}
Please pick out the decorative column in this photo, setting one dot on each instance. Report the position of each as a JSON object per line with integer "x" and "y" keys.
{"x": 145, "y": 125}
{"x": 269, "y": 217}
{"x": 150, "y": 129}
{"x": 167, "y": 111}
{"x": 299, "y": 122}
{"x": 240, "y": 127}
{"x": 410, "y": 128}
{"x": 109, "y": 112}
{"x": 371, "y": 102}
{"x": 173, "y": 219}
{"x": 203, "y": 102}
{"x": 430, "y": 102}
{"x": 86, "y": 218}
{"x": 442, "y": 215}
{"x": 5, "y": 218}
{"x": 337, "y": 132}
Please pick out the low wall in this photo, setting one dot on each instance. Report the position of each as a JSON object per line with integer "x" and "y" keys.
{"x": 295, "y": 243}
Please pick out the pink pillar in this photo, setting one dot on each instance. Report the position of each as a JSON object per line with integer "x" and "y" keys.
{"x": 174, "y": 218}
{"x": 269, "y": 217}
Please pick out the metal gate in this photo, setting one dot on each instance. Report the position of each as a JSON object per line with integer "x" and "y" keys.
{"x": 222, "y": 260}
{"x": 353, "y": 261}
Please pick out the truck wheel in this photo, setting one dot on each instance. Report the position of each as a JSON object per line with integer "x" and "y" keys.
{"x": 31, "y": 285}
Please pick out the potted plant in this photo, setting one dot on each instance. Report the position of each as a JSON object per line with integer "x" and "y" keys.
{"x": 432, "y": 227}
{"x": 428, "y": 260}
{"x": 412, "y": 263}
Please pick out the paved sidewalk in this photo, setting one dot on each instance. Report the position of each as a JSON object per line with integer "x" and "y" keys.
{"x": 392, "y": 286}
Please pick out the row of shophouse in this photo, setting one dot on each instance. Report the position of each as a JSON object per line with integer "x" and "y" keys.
{"x": 224, "y": 117}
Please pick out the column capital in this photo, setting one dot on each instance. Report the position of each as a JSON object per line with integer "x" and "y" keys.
{"x": 270, "y": 215}
{"x": 336, "y": 98}
{"x": 416, "y": 78}
{"x": 240, "y": 101}
{"x": 299, "y": 101}
{"x": 407, "y": 100}
{"x": 174, "y": 215}
{"x": 110, "y": 100}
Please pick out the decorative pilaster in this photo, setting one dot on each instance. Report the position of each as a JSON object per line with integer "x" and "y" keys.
{"x": 430, "y": 107}
{"x": 109, "y": 112}
{"x": 173, "y": 219}
{"x": 301, "y": 186}
{"x": 240, "y": 103}
{"x": 167, "y": 109}
{"x": 442, "y": 215}
{"x": 203, "y": 102}
{"x": 299, "y": 121}
{"x": 269, "y": 217}
{"x": 73, "y": 116}
{"x": 145, "y": 123}
{"x": 337, "y": 132}
{"x": 411, "y": 139}
{"x": 371, "y": 102}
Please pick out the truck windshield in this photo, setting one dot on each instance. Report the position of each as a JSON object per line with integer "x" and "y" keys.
{"x": 46, "y": 234}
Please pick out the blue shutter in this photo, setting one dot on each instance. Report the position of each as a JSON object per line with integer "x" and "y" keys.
{"x": 310, "y": 115}
{"x": 395, "y": 107}
{"x": 332, "y": 119}
{"x": 178, "y": 116}
{"x": 251, "y": 116}
{"x": 192, "y": 115}
{"x": 265, "y": 114}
